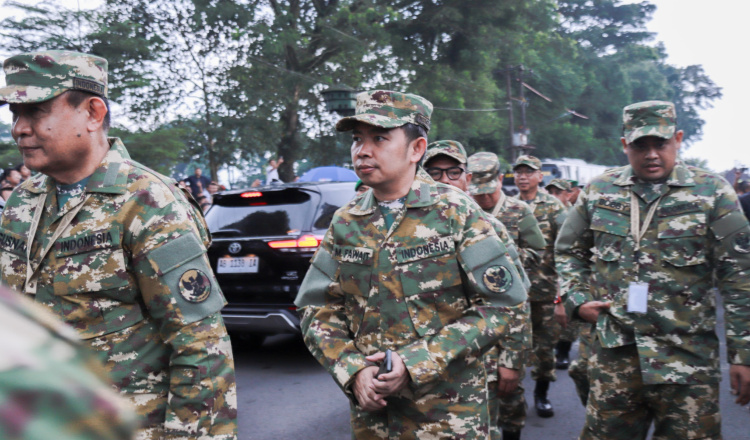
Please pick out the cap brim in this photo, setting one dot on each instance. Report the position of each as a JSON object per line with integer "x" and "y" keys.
{"x": 650, "y": 130}
{"x": 428, "y": 157}
{"x": 533, "y": 167}
{"x": 348, "y": 123}
{"x": 24, "y": 94}
{"x": 483, "y": 188}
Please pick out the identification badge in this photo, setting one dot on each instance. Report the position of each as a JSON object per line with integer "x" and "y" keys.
{"x": 638, "y": 298}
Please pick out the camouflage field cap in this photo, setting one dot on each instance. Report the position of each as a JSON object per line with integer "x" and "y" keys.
{"x": 387, "y": 109}
{"x": 649, "y": 118}
{"x": 529, "y": 161}
{"x": 560, "y": 184}
{"x": 40, "y": 76}
{"x": 485, "y": 169}
{"x": 452, "y": 149}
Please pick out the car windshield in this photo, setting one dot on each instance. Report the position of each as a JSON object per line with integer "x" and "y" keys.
{"x": 260, "y": 214}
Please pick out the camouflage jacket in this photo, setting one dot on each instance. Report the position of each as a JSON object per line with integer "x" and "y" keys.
{"x": 550, "y": 214}
{"x": 510, "y": 353}
{"x": 50, "y": 386}
{"x": 522, "y": 226}
{"x": 130, "y": 274}
{"x": 697, "y": 230}
{"x": 440, "y": 275}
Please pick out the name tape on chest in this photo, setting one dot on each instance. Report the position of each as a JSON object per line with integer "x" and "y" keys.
{"x": 613, "y": 205}
{"x": 12, "y": 244}
{"x": 346, "y": 254}
{"x": 84, "y": 243}
{"x": 682, "y": 208}
{"x": 440, "y": 246}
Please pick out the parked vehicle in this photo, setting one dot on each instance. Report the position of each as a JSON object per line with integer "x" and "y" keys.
{"x": 263, "y": 239}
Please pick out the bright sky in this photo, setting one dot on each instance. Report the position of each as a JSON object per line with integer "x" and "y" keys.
{"x": 694, "y": 32}
{"x": 710, "y": 34}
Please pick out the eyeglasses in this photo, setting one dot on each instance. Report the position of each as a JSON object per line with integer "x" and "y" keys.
{"x": 437, "y": 173}
{"x": 520, "y": 172}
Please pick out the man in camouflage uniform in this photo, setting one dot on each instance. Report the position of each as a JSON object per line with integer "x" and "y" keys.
{"x": 445, "y": 162}
{"x": 654, "y": 233}
{"x": 561, "y": 189}
{"x": 115, "y": 250}
{"x": 50, "y": 386}
{"x": 414, "y": 267}
{"x": 550, "y": 214}
{"x": 486, "y": 187}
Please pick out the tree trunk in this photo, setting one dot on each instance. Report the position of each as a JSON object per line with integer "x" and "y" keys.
{"x": 288, "y": 147}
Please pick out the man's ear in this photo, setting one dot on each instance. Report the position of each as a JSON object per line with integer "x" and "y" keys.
{"x": 624, "y": 145}
{"x": 418, "y": 147}
{"x": 97, "y": 110}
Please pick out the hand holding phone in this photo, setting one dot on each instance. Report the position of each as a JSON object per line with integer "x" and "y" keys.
{"x": 387, "y": 365}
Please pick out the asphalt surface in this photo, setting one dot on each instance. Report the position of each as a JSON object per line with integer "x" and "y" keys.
{"x": 284, "y": 393}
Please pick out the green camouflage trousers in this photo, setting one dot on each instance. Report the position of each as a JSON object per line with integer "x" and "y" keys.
{"x": 545, "y": 334}
{"x": 579, "y": 368}
{"x": 454, "y": 408}
{"x": 507, "y": 413}
{"x": 621, "y": 407}
{"x": 571, "y": 332}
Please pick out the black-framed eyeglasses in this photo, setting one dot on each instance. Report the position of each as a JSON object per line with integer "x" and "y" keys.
{"x": 437, "y": 173}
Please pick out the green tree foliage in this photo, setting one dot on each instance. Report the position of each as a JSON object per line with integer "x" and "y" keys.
{"x": 159, "y": 149}
{"x": 228, "y": 82}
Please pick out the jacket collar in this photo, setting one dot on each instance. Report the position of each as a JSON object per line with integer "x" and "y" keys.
{"x": 110, "y": 178}
{"x": 423, "y": 192}
{"x": 681, "y": 175}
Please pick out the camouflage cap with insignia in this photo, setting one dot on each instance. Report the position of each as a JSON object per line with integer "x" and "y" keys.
{"x": 649, "y": 118}
{"x": 529, "y": 161}
{"x": 485, "y": 169}
{"x": 560, "y": 184}
{"x": 40, "y": 76}
{"x": 388, "y": 109}
{"x": 452, "y": 149}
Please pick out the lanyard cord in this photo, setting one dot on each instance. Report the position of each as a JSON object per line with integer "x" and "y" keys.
{"x": 638, "y": 230}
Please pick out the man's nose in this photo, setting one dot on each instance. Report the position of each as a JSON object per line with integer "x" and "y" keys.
{"x": 20, "y": 126}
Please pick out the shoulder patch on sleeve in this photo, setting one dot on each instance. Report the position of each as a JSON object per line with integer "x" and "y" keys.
{"x": 730, "y": 223}
{"x": 182, "y": 265}
{"x": 493, "y": 274}
{"x": 321, "y": 274}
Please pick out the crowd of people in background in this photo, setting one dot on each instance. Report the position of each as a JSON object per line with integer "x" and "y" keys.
{"x": 10, "y": 179}
{"x": 202, "y": 188}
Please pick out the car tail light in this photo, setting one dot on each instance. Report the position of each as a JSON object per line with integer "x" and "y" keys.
{"x": 251, "y": 194}
{"x": 304, "y": 243}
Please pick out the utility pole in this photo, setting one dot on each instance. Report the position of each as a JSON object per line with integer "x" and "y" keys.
{"x": 510, "y": 104}
{"x": 521, "y": 96}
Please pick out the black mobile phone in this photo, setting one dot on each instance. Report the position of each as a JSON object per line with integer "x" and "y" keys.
{"x": 387, "y": 365}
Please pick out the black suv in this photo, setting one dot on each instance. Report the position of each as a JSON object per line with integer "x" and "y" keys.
{"x": 263, "y": 239}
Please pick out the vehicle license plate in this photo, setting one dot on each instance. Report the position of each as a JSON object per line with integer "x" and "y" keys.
{"x": 237, "y": 265}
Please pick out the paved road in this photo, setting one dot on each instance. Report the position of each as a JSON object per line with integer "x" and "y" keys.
{"x": 284, "y": 394}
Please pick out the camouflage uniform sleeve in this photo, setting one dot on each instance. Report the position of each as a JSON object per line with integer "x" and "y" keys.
{"x": 182, "y": 295}
{"x": 495, "y": 293}
{"x": 530, "y": 235}
{"x": 324, "y": 323}
{"x": 518, "y": 339}
{"x": 572, "y": 256}
{"x": 50, "y": 386}
{"x": 731, "y": 255}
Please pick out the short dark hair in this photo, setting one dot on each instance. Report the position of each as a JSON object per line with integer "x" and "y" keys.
{"x": 76, "y": 97}
{"x": 414, "y": 131}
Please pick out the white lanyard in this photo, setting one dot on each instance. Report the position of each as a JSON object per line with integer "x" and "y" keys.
{"x": 499, "y": 205}
{"x": 32, "y": 273}
{"x": 638, "y": 230}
